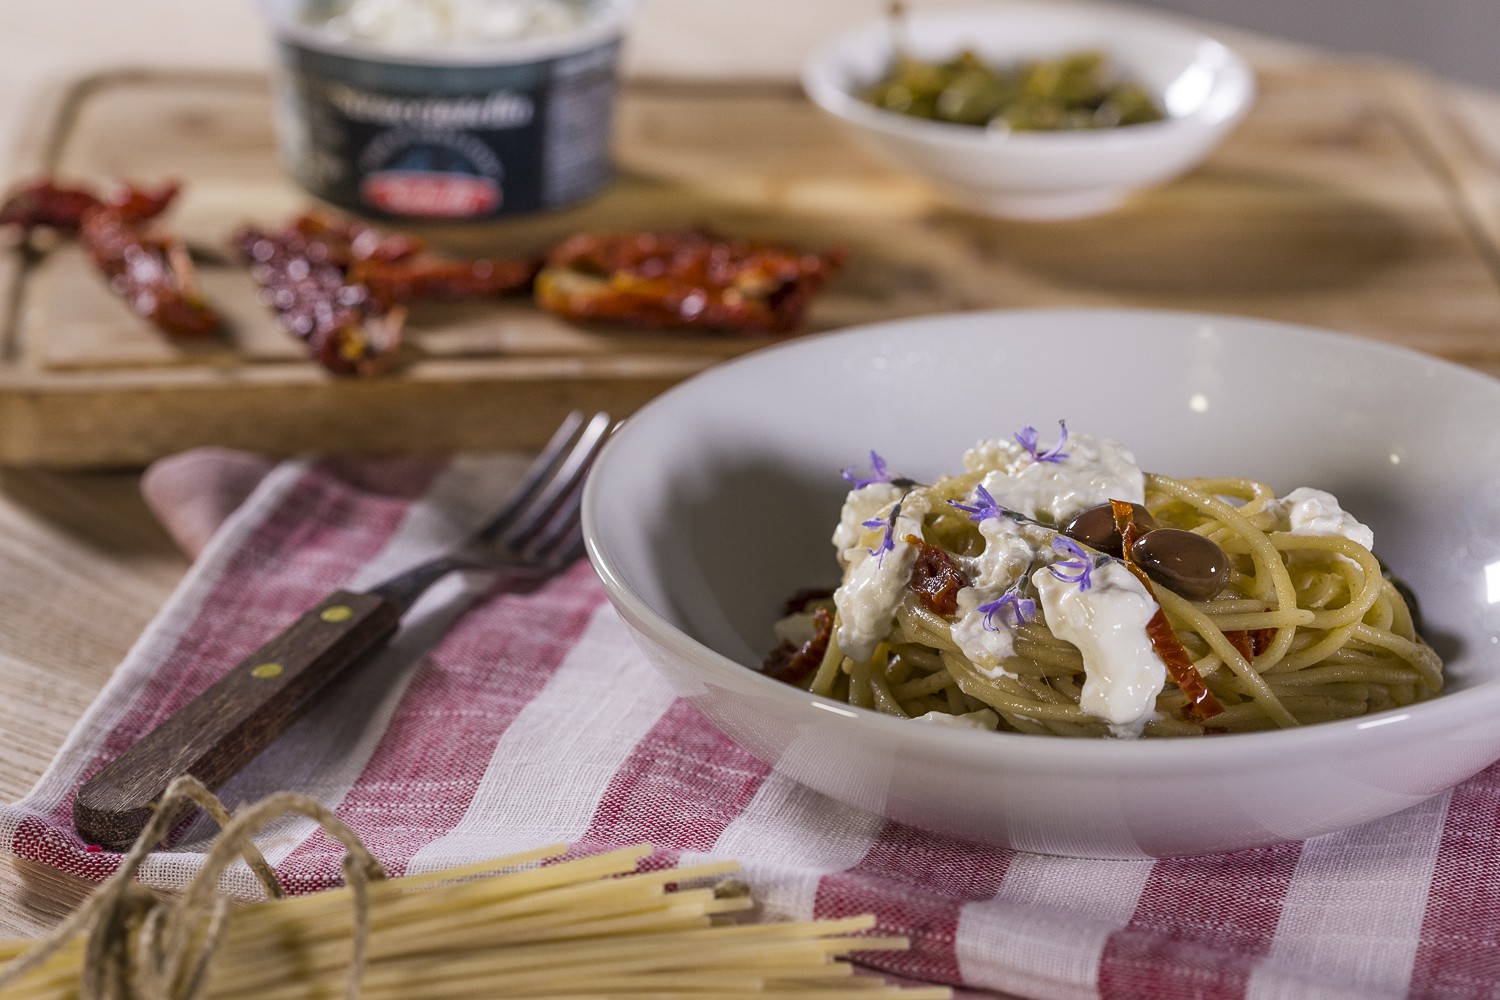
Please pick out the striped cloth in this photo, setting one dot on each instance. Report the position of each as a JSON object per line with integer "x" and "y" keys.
{"x": 533, "y": 719}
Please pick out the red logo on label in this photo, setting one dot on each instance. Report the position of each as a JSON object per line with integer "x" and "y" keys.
{"x": 431, "y": 194}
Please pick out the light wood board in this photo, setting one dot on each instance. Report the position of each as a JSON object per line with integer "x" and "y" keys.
{"x": 1343, "y": 201}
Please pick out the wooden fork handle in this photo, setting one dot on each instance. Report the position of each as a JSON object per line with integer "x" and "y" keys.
{"x": 220, "y": 731}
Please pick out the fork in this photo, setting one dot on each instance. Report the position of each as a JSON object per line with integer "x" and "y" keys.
{"x": 534, "y": 535}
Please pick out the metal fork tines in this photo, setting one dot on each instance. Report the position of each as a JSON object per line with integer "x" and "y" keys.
{"x": 536, "y": 532}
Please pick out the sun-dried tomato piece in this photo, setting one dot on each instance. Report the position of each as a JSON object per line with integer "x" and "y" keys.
{"x": 1201, "y": 704}
{"x": 45, "y": 203}
{"x": 137, "y": 204}
{"x": 343, "y": 287}
{"x": 345, "y": 330}
{"x": 684, "y": 280}
{"x": 935, "y": 578}
{"x": 795, "y": 664}
{"x": 153, "y": 273}
{"x": 410, "y": 280}
{"x": 1251, "y": 643}
{"x": 341, "y": 240}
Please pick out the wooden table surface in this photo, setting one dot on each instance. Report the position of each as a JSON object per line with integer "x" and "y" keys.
{"x": 83, "y": 565}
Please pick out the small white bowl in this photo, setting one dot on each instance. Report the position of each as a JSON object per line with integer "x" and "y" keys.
{"x": 1203, "y": 86}
{"x": 717, "y": 501}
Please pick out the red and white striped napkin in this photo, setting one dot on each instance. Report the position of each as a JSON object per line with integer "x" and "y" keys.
{"x": 533, "y": 719}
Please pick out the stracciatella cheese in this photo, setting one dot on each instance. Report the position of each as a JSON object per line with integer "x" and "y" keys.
{"x": 426, "y": 24}
{"x": 1096, "y": 471}
{"x": 876, "y": 580}
{"x": 1107, "y": 622}
{"x": 1101, "y": 619}
{"x": 1306, "y": 511}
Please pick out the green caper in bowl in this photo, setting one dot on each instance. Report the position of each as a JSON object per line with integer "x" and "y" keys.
{"x": 1073, "y": 91}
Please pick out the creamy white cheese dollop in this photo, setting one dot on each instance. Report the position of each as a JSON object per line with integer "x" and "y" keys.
{"x": 416, "y": 24}
{"x": 861, "y": 505}
{"x": 1010, "y": 550}
{"x": 1306, "y": 511}
{"x": 1096, "y": 470}
{"x": 986, "y": 643}
{"x": 874, "y": 584}
{"x": 1107, "y": 622}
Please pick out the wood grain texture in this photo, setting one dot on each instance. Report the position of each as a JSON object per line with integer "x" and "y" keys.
{"x": 217, "y": 733}
{"x": 1339, "y": 203}
{"x": 85, "y": 567}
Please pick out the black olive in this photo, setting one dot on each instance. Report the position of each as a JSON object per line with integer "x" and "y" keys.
{"x": 1095, "y": 527}
{"x": 1183, "y": 562}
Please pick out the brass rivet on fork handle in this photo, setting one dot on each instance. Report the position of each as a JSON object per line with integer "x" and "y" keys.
{"x": 534, "y": 535}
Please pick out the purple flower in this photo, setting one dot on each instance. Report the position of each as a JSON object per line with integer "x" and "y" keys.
{"x": 1022, "y": 608}
{"x": 879, "y": 473}
{"x": 1027, "y": 438}
{"x": 985, "y": 509}
{"x": 1079, "y": 562}
{"x": 887, "y": 542}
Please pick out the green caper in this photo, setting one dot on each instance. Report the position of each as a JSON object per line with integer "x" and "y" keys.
{"x": 1073, "y": 91}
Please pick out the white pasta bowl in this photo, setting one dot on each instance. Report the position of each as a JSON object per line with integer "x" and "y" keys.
{"x": 718, "y": 500}
{"x": 1204, "y": 87}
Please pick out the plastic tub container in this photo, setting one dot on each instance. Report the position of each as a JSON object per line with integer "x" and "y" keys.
{"x": 464, "y": 132}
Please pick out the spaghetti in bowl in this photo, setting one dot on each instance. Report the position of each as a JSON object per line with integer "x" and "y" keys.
{"x": 716, "y": 502}
{"x": 1066, "y": 592}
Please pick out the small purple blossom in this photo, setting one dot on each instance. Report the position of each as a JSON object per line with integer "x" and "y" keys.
{"x": 985, "y": 509}
{"x": 879, "y": 473}
{"x": 887, "y": 542}
{"x": 1023, "y": 609}
{"x": 1079, "y": 562}
{"x": 1027, "y": 438}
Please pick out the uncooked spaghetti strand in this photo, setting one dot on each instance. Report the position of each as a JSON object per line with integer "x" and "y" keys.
{"x": 398, "y": 901}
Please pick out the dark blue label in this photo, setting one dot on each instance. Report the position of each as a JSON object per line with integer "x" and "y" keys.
{"x": 448, "y": 142}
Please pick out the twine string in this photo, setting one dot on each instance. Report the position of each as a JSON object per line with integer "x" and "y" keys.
{"x": 142, "y": 947}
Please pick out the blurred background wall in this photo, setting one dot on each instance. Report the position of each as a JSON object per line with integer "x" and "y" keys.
{"x": 1459, "y": 39}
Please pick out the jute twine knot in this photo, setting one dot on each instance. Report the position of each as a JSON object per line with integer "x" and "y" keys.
{"x": 143, "y": 947}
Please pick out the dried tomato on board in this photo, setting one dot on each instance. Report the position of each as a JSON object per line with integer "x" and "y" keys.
{"x": 343, "y": 287}
{"x": 303, "y": 281}
{"x": 685, "y": 280}
{"x": 1202, "y": 704}
{"x": 393, "y": 282}
{"x": 44, "y": 203}
{"x": 152, "y": 272}
{"x": 343, "y": 241}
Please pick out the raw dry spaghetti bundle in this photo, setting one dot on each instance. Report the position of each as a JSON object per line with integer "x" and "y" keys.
{"x": 1017, "y": 596}
{"x": 515, "y": 927}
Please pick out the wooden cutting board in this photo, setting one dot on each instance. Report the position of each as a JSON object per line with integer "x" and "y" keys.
{"x": 1345, "y": 200}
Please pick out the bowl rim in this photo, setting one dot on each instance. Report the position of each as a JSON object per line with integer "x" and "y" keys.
{"x": 1226, "y": 753}
{"x": 818, "y": 83}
